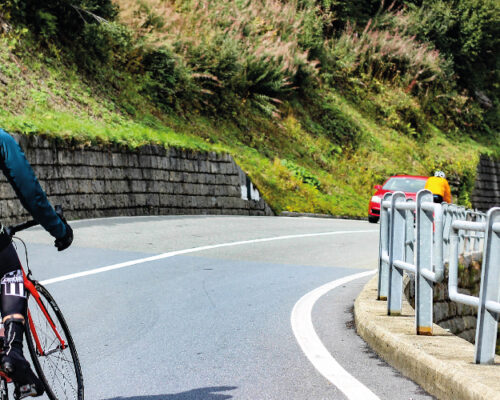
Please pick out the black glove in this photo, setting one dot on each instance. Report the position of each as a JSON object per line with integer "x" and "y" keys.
{"x": 66, "y": 240}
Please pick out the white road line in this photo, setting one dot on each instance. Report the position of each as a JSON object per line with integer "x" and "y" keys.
{"x": 192, "y": 250}
{"x": 314, "y": 349}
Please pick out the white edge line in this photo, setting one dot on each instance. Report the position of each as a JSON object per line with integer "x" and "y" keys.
{"x": 192, "y": 250}
{"x": 314, "y": 349}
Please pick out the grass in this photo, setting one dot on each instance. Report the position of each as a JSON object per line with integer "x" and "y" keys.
{"x": 40, "y": 94}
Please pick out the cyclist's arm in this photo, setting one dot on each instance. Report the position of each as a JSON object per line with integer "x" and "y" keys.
{"x": 18, "y": 171}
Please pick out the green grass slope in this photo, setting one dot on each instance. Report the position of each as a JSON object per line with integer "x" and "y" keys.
{"x": 319, "y": 147}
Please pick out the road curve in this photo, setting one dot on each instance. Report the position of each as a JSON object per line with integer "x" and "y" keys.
{"x": 199, "y": 307}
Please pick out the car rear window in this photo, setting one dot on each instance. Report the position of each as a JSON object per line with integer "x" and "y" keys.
{"x": 405, "y": 184}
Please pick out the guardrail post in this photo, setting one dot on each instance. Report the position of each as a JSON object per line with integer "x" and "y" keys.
{"x": 468, "y": 236}
{"x": 396, "y": 252}
{"x": 477, "y": 240}
{"x": 487, "y": 321}
{"x": 480, "y": 241}
{"x": 446, "y": 231}
{"x": 461, "y": 214}
{"x": 383, "y": 265}
{"x": 410, "y": 236}
{"x": 424, "y": 287}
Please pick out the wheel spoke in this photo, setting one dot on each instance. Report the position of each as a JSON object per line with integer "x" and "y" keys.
{"x": 59, "y": 369}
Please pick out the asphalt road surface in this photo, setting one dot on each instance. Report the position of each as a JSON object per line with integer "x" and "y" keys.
{"x": 213, "y": 322}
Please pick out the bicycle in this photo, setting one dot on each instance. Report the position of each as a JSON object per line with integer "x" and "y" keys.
{"x": 48, "y": 338}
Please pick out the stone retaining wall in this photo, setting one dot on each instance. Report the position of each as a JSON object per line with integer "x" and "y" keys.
{"x": 101, "y": 181}
{"x": 486, "y": 192}
{"x": 459, "y": 319}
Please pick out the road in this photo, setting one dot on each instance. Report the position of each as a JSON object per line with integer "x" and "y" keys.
{"x": 214, "y": 322}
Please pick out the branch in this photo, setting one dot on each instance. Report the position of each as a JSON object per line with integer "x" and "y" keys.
{"x": 4, "y": 25}
{"x": 99, "y": 19}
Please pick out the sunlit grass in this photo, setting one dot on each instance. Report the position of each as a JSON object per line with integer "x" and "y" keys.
{"x": 51, "y": 98}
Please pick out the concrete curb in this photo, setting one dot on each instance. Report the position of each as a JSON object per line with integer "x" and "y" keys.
{"x": 442, "y": 364}
{"x": 315, "y": 215}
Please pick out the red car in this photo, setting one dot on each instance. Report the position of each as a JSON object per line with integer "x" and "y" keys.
{"x": 409, "y": 184}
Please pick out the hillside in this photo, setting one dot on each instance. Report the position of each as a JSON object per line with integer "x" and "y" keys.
{"x": 317, "y": 100}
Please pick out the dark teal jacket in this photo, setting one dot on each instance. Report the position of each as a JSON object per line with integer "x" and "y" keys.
{"x": 22, "y": 178}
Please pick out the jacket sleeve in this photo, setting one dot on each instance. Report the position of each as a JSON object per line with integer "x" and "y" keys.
{"x": 447, "y": 192}
{"x": 20, "y": 175}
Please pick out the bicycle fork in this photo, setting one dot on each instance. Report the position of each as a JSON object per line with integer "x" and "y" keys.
{"x": 31, "y": 289}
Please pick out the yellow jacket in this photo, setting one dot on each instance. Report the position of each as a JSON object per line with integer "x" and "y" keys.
{"x": 439, "y": 186}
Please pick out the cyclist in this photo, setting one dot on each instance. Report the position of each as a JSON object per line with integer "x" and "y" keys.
{"x": 439, "y": 187}
{"x": 13, "y": 296}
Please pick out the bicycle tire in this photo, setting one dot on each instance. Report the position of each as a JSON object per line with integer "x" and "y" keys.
{"x": 60, "y": 371}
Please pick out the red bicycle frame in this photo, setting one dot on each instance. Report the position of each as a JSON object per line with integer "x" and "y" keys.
{"x": 31, "y": 288}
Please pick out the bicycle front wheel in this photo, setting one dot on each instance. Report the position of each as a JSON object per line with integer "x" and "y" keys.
{"x": 52, "y": 348}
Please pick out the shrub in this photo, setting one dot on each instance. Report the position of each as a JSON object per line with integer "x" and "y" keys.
{"x": 171, "y": 82}
{"x": 105, "y": 43}
{"x": 385, "y": 55}
{"x": 303, "y": 174}
{"x": 238, "y": 51}
{"x": 466, "y": 31}
{"x": 59, "y": 18}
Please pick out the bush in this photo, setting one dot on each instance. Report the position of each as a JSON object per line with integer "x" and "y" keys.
{"x": 385, "y": 55}
{"x": 170, "y": 81}
{"x": 303, "y": 174}
{"x": 238, "y": 51}
{"x": 105, "y": 43}
{"x": 59, "y": 18}
{"x": 467, "y": 32}
{"x": 83, "y": 27}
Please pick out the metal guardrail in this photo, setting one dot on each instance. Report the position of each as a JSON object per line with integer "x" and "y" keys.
{"x": 419, "y": 237}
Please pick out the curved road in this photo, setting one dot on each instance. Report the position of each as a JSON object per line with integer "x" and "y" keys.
{"x": 213, "y": 322}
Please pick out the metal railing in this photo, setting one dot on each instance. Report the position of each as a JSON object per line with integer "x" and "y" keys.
{"x": 419, "y": 237}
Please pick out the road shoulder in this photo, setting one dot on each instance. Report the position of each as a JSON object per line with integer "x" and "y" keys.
{"x": 442, "y": 364}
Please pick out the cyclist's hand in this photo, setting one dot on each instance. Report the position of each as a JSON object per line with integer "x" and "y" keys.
{"x": 64, "y": 242}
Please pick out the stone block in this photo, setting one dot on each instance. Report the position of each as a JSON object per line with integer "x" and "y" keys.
{"x": 459, "y": 325}
{"x": 201, "y": 178}
{"x": 129, "y": 173}
{"x": 203, "y": 166}
{"x": 46, "y": 157}
{"x": 85, "y": 186}
{"x": 226, "y": 168}
{"x": 98, "y": 186}
{"x": 145, "y": 161}
{"x": 440, "y": 312}
{"x": 452, "y": 308}
{"x": 176, "y": 164}
{"x": 147, "y": 173}
{"x": 468, "y": 335}
{"x": 439, "y": 292}
{"x": 188, "y": 165}
{"x": 214, "y": 168}
{"x": 470, "y": 322}
{"x": 212, "y": 156}
{"x": 138, "y": 186}
{"x": 210, "y": 179}
{"x": 164, "y": 200}
{"x": 152, "y": 200}
{"x": 233, "y": 180}
{"x": 176, "y": 176}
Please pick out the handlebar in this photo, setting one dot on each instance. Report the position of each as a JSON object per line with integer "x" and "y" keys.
{"x": 13, "y": 229}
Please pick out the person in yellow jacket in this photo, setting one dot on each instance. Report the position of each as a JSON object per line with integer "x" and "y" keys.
{"x": 439, "y": 187}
